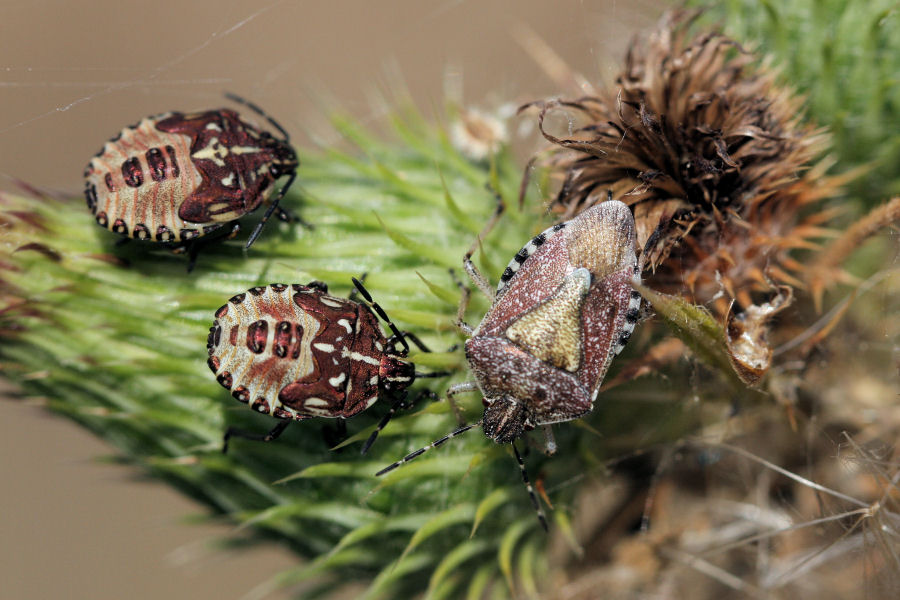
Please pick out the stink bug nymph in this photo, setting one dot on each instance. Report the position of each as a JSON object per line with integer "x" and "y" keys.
{"x": 563, "y": 309}
{"x": 295, "y": 352}
{"x": 176, "y": 177}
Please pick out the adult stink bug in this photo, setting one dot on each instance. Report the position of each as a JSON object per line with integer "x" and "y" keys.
{"x": 296, "y": 352}
{"x": 176, "y": 177}
{"x": 563, "y": 309}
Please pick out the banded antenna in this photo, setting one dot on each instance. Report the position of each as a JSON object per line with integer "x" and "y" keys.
{"x": 260, "y": 112}
{"x": 397, "y": 334}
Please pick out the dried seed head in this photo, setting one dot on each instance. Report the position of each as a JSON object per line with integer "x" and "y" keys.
{"x": 711, "y": 155}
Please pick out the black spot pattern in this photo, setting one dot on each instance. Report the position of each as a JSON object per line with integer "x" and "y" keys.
{"x": 131, "y": 171}
{"x": 157, "y": 164}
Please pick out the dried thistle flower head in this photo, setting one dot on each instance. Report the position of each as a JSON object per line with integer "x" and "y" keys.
{"x": 713, "y": 157}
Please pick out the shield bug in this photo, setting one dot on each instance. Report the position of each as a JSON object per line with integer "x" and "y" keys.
{"x": 295, "y": 352}
{"x": 563, "y": 309}
{"x": 176, "y": 177}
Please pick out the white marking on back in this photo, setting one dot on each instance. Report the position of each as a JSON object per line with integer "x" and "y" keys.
{"x": 335, "y": 382}
{"x": 345, "y": 324}
{"x": 314, "y": 403}
{"x": 323, "y": 347}
{"x": 244, "y": 149}
{"x": 213, "y": 151}
{"x": 357, "y": 356}
{"x": 371, "y": 401}
{"x": 329, "y": 302}
{"x": 228, "y": 181}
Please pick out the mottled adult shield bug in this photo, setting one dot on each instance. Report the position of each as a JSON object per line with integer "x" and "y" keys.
{"x": 565, "y": 306}
{"x": 295, "y": 352}
{"x": 176, "y": 177}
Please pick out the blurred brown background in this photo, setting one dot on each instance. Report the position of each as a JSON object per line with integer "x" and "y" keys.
{"x": 73, "y": 74}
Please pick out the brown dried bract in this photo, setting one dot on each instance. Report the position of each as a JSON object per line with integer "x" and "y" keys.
{"x": 745, "y": 336}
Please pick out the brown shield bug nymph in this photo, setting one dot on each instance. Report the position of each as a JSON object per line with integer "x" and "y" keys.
{"x": 295, "y": 352}
{"x": 565, "y": 306}
{"x": 176, "y": 177}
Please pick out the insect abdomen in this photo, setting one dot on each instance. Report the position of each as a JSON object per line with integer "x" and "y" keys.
{"x": 137, "y": 183}
{"x": 259, "y": 344}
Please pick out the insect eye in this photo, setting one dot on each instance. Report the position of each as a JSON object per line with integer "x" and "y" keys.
{"x": 485, "y": 402}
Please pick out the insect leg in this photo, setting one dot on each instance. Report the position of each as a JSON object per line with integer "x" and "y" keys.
{"x": 273, "y": 206}
{"x": 318, "y": 285}
{"x": 235, "y": 229}
{"x": 471, "y": 270}
{"x": 465, "y": 296}
{"x": 399, "y": 403}
{"x": 477, "y": 278}
{"x": 257, "y": 437}
{"x": 192, "y": 251}
{"x": 534, "y": 501}
{"x": 432, "y": 374}
{"x": 526, "y": 179}
{"x": 549, "y": 441}
{"x": 288, "y": 217}
{"x": 192, "y": 247}
{"x": 459, "y": 388}
{"x": 335, "y": 435}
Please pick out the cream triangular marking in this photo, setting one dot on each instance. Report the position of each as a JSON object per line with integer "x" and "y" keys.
{"x": 552, "y": 330}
